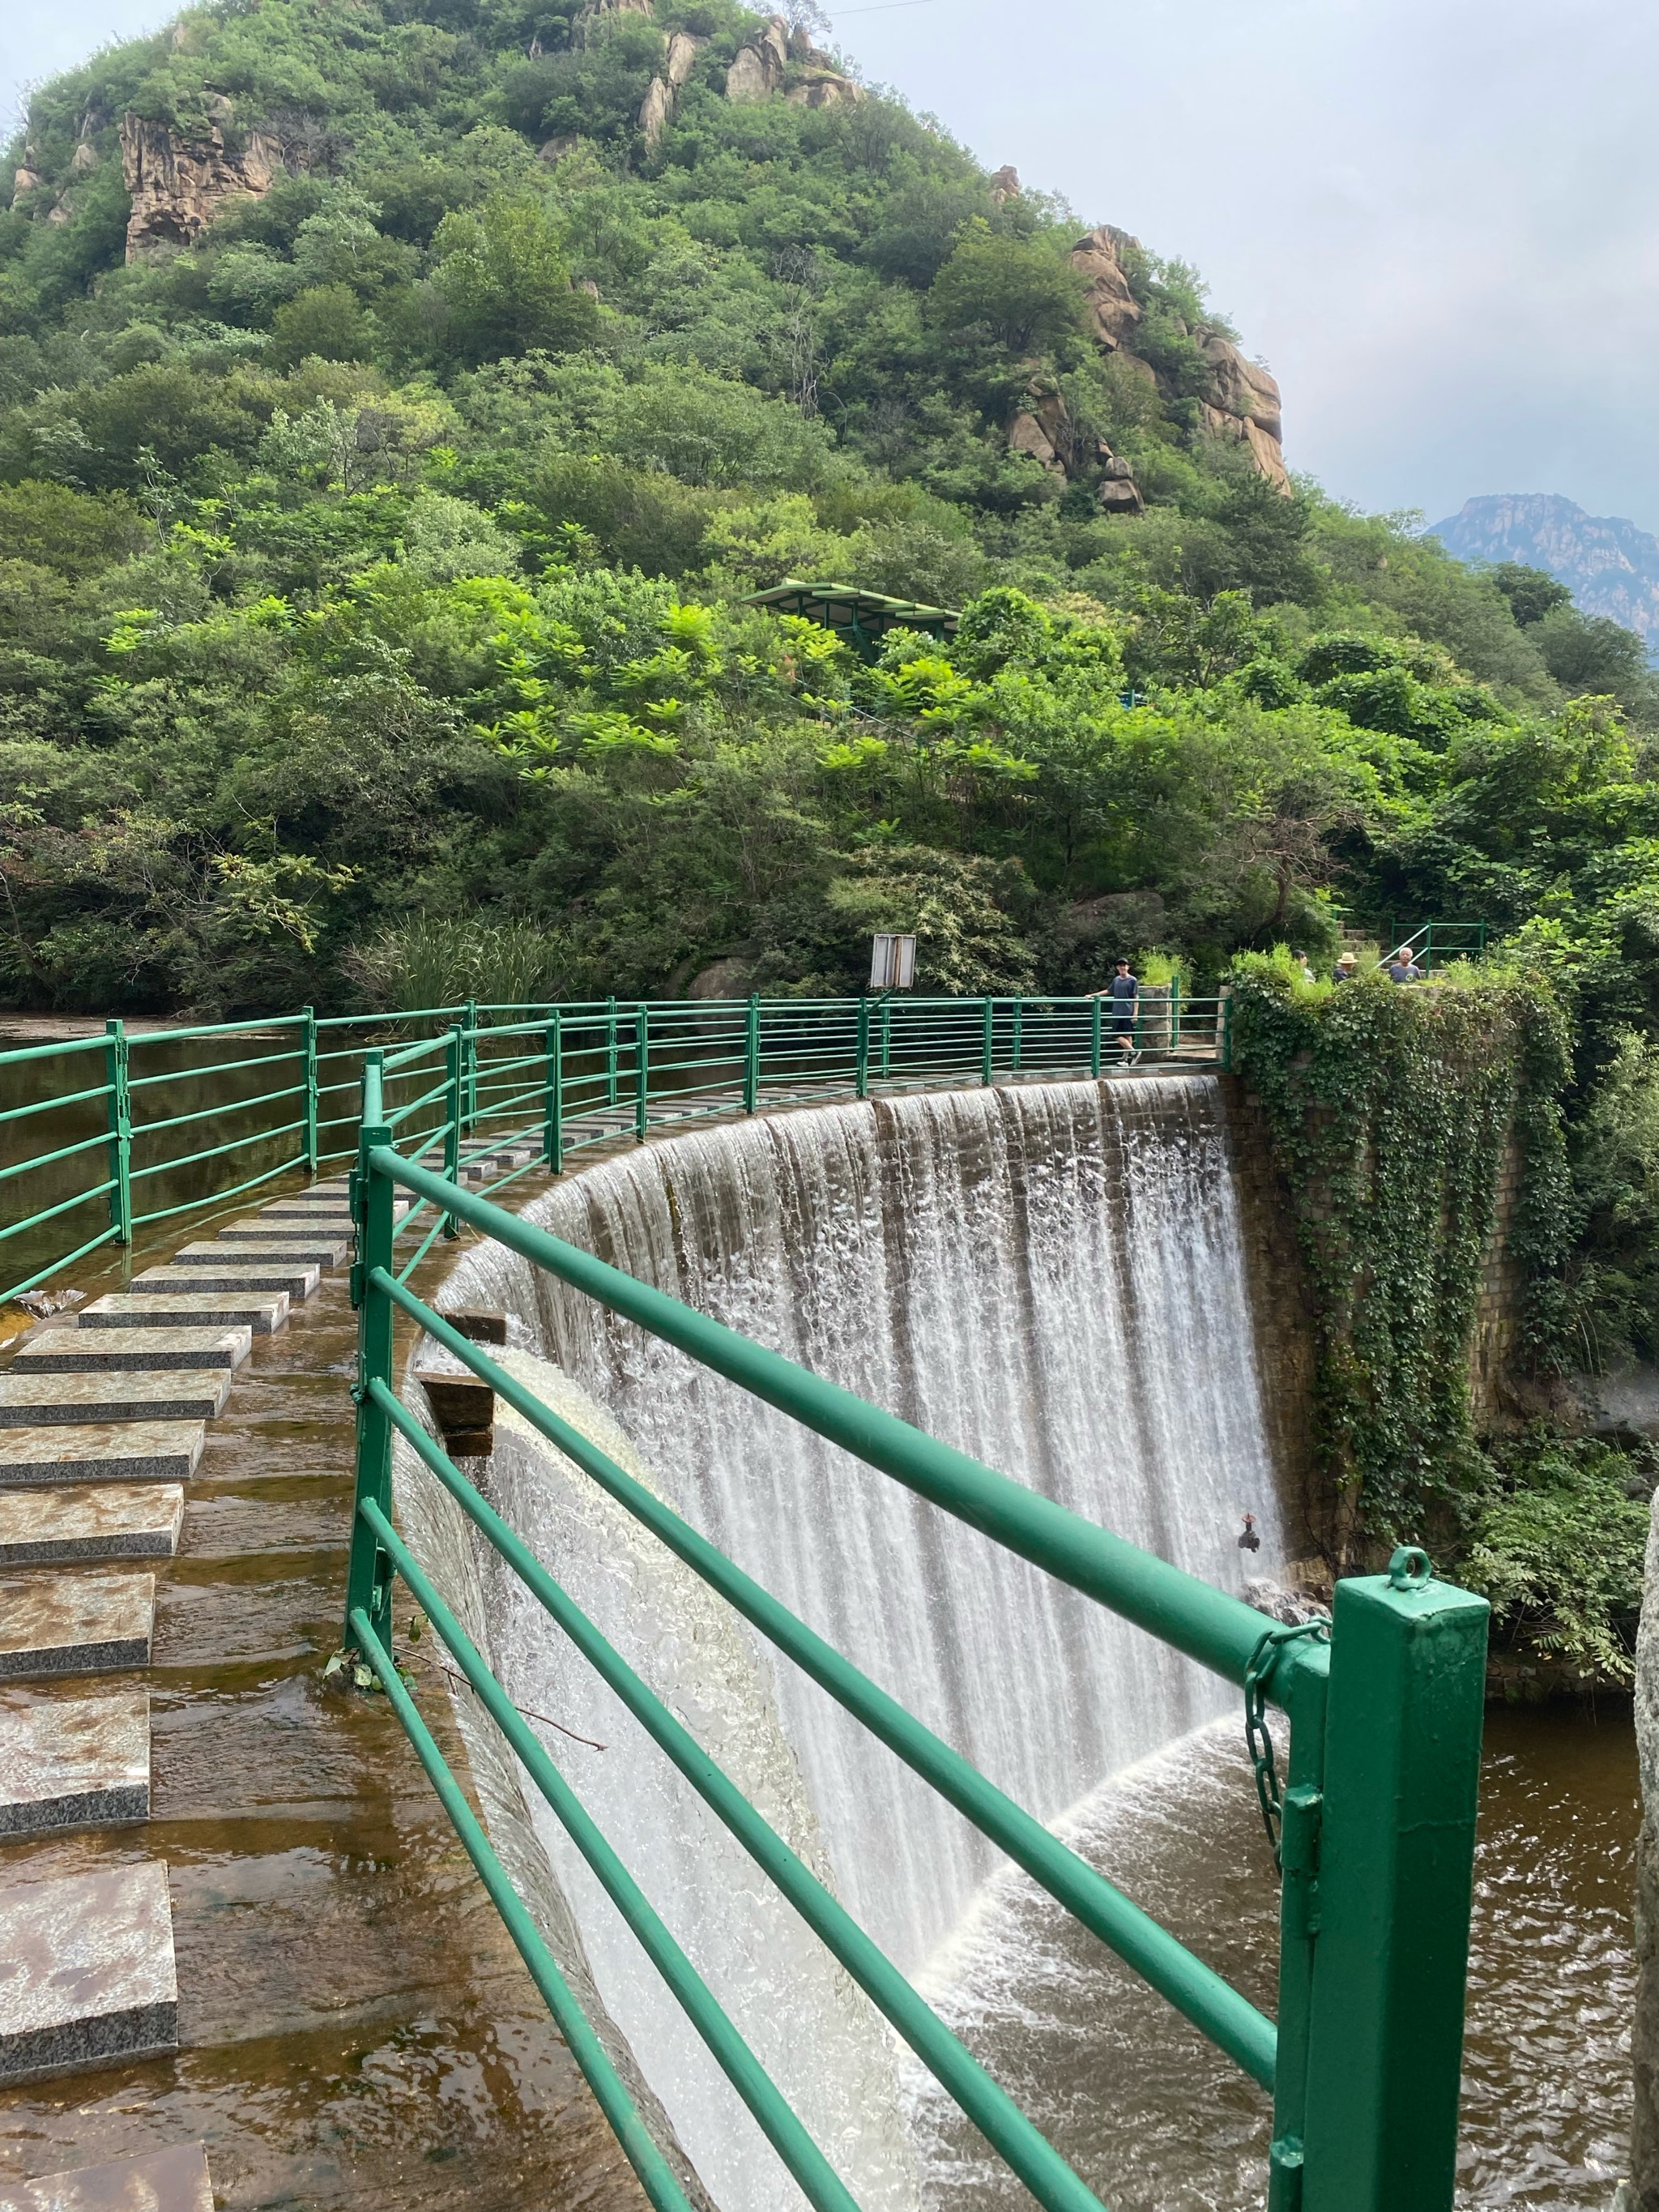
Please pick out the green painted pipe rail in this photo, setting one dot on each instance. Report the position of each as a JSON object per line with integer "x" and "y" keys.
{"x": 1372, "y": 1815}
{"x": 1230, "y": 2022}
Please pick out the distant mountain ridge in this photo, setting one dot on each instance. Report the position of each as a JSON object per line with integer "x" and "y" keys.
{"x": 1610, "y": 566}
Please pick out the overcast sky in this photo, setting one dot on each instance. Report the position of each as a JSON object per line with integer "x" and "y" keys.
{"x": 1436, "y": 220}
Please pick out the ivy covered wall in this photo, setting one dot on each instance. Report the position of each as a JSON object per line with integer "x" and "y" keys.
{"x": 1417, "y": 1137}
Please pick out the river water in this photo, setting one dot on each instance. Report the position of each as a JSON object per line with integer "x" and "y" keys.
{"x": 1053, "y": 1279}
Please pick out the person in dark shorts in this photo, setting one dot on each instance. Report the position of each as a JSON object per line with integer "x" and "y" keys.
{"x": 1124, "y": 992}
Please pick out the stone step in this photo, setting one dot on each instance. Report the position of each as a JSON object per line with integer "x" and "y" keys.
{"x": 325, "y": 1251}
{"x": 87, "y": 1975}
{"x": 101, "y": 1451}
{"x": 263, "y": 1312}
{"x": 29, "y": 1399}
{"x": 73, "y": 1625}
{"x": 293, "y": 1276}
{"x": 58, "y": 1525}
{"x": 73, "y": 1762}
{"x": 305, "y": 1237}
{"x": 174, "y": 2180}
{"x": 66, "y": 1352}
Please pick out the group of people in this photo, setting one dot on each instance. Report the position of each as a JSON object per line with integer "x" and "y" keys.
{"x": 1401, "y": 967}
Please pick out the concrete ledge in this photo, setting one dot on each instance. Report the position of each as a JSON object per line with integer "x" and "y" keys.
{"x": 175, "y": 2180}
{"x": 293, "y": 1276}
{"x": 73, "y": 1625}
{"x": 91, "y": 1451}
{"x": 321, "y": 1249}
{"x": 87, "y": 1972}
{"x": 61, "y": 1525}
{"x": 264, "y": 1312}
{"x": 66, "y": 1352}
{"x": 79, "y": 1762}
{"x": 30, "y": 1399}
{"x": 290, "y": 1234}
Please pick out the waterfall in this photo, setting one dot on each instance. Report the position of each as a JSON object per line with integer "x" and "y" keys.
{"x": 1050, "y": 1277}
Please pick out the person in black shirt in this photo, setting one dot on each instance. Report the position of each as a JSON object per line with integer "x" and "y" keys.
{"x": 1124, "y": 992}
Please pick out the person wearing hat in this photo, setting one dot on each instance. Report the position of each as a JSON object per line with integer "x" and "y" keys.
{"x": 1345, "y": 968}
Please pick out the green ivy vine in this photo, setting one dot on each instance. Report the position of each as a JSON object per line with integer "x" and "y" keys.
{"x": 1392, "y": 1112}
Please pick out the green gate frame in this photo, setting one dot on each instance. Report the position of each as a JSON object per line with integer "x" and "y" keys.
{"x": 1376, "y": 1819}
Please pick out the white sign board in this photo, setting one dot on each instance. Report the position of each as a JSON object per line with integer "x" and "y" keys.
{"x": 893, "y": 963}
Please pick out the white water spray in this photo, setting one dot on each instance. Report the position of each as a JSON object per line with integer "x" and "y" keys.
{"x": 1051, "y": 1278}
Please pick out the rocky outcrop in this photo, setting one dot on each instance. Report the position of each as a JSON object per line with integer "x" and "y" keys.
{"x": 760, "y": 67}
{"x": 1242, "y": 401}
{"x": 1114, "y": 310}
{"x": 824, "y": 88}
{"x": 1042, "y": 429}
{"x": 587, "y": 19}
{"x": 1005, "y": 184}
{"x": 659, "y": 102}
{"x": 178, "y": 184}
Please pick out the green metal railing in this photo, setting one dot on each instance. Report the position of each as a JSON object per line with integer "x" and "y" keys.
{"x": 1373, "y": 1824}
{"x": 145, "y": 1125}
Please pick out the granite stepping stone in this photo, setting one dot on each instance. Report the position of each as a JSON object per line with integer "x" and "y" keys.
{"x": 73, "y": 1625}
{"x": 73, "y": 1762}
{"x": 264, "y": 1312}
{"x": 174, "y": 2180}
{"x": 64, "y": 1525}
{"x": 32, "y": 1400}
{"x": 87, "y": 1972}
{"x": 66, "y": 1352}
{"x": 321, "y": 1249}
{"x": 293, "y": 1276}
{"x": 307, "y": 1238}
{"x": 107, "y": 1451}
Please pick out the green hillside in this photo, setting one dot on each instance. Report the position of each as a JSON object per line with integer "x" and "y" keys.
{"x": 397, "y": 402}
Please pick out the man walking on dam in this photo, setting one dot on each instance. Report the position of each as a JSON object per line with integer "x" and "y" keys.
{"x": 1124, "y": 992}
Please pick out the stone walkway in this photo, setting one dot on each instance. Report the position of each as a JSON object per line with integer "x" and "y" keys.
{"x": 231, "y": 1912}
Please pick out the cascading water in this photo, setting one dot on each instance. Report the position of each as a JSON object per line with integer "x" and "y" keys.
{"x": 1051, "y": 1278}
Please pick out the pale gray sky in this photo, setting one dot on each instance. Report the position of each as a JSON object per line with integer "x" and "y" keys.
{"x": 1435, "y": 219}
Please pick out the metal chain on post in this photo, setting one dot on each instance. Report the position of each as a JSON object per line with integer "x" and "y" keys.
{"x": 368, "y": 1572}
{"x": 1257, "y": 1737}
{"x": 308, "y": 1017}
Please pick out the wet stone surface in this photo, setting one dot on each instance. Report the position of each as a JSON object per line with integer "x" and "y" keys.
{"x": 69, "y": 1350}
{"x": 231, "y": 1275}
{"x": 74, "y": 1623}
{"x": 30, "y": 1397}
{"x": 354, "y": 2028}
{"x": 85, "y": 1969}
{"x": 175, "y": 2180}
{"x": 73, "y": 1760}
{"x": 63, "y": 1523}
{"x": 262, "y": 1313}
{"x": 142, "y": 1451}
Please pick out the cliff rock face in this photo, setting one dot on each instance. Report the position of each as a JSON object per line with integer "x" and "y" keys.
{"x": 1609, "y": 565}
{"x": 1242, "y": 401}
{"x": 178, "y": 184}
{"x": 760, "y": 67}
{"x": 659, "y": 102}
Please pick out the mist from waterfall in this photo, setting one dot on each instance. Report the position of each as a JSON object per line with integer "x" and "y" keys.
{"x": 1051, "y": 1278}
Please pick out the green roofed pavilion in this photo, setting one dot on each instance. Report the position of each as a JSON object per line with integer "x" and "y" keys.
{"x": 861, "y": 618}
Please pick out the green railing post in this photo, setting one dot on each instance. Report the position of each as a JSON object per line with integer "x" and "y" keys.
{"x": 120, "y": 1131}
{"x": 886, "y": 1038}
{"x": 470, "y": 1069}
{"x": 751, "y": 1053}
{"x": 1227, "y": 1031}
{"x": 454, "y": 1112}
{"x": 368, "y": 1572}
{"x": 553, "y": 1133}
{"x": 862, "y": 1072}
{"x": 1175, "y": 1013}
{"x": 987, "y": 1039}
{"x": 309, "y": 1046}
{"x": 1019, "y": 1007}
{"x": 1094, "y": 1035}
{"x": 609, "y": 1052}
{"x": 1395, "y": 1871}
{"x": 641, "y": 1074}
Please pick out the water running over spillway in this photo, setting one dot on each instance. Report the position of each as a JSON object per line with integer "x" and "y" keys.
{"x": 1051, "y": 1278}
